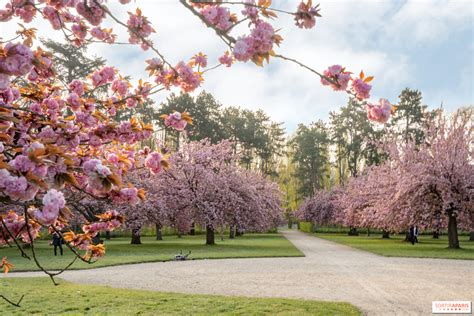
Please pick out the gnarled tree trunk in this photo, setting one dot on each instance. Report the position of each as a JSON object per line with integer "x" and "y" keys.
{"x": 231, "y": 232}
{"x": 385, "y": 234}
{"x": 210, "y": 236}
{"x": 192, "y": 232}
{"x": 136, "y": 237}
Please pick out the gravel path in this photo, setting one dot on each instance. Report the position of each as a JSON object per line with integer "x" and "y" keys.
{"x": 378, "y": 285}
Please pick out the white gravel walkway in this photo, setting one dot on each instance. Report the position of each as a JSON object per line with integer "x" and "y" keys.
{"x": 330, "y": 271}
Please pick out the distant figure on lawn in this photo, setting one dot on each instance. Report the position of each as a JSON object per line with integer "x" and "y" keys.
{"x": 413, "y": 234}
{"x": 57, "y": 242}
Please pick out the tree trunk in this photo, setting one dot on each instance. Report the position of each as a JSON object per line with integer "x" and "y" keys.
{"x": 453, "y": 232}
{"x": 231, "y": 232}
{"x": 107, "y": 235}
{"x": 290, "y": 223}
{"x": 238, "y": 233}
{"x": 471, "y": 236}
{"x": 192, "y": 232}
{"x": 136, "y": 237}
{"x": 210, "y": 236}
{"x": 436, "y": 234}
{"x": 385, "y": 234}
{"x": 368, "y": 232}
{"x": 158, "y": 232}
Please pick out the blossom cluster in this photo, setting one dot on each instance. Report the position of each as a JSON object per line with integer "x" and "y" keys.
{"x": 53, "y": 202}
{"x": 108, "y": 221}
{"x": 218, "y": 16}
{"x": 139, "y": 28}
{"x": 379, "y": 112}
{"x": 13, "y": 226}
{"x": 258, "y": 43}
{"x": 339, "y": 78}
{"x": 177, "y": 120}
{"x": 156, "y": 161}
{"x": 15, "y": 60}
{"x": 181, "y": 75}
{"x": 306, "y": 14}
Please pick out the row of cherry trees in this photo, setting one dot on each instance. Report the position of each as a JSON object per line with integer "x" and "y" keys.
{"x": 430, "y": 185}
{"x": 205, "y": 186}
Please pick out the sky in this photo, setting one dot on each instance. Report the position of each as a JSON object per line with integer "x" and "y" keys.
{"x": 421, "y": 44}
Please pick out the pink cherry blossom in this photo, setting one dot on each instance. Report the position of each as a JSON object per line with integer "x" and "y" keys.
{"x": 139, "y": 29}
{"x": 103, "y": 76}
{"x": 361, "y": 89}
{"x": 91, "y": 11}
{"x": 187, "y": 79}
{"x": 53, "y": 202}
{"x": 244, "y": 49}
{"x": 77, "y": 87}
{"x": 338, "y": 75}
{"x": 176, "y": 121}
{"x": 306, "y": 14}
{"x": 200, "y": 60}
{"x": 226, "y": 59}
{"x": 379, "y": 113}
{"x": 127, "y": 196}
{"x": 154, "y": 162}
{"x": 120, "y": 87}
{"x": 4, "y": 82}
{"x": 22, "y": 163}
{"x": 217, "y": 15}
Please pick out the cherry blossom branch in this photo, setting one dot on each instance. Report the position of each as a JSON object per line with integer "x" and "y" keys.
{"x": 23, "y": 253}
{"x": 77, "y": 254}
{"x": 144, "y": 40}
{"x": 221, "y": 33}
{"x": 245, "y": 4}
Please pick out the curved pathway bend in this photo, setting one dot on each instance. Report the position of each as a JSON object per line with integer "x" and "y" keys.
{"x": 330, "y": 271}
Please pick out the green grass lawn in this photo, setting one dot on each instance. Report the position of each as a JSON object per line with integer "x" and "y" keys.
{"x": 42, "y": 297}
{"x": 120, "y": 251}
{"x": 396, "y": 247}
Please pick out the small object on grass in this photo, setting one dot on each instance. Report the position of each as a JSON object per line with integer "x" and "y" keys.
{"x": 181, "y": 257}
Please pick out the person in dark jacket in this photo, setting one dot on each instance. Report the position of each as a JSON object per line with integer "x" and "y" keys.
{"x": 411, "y": 235}
{"x": 57, "y": 242}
